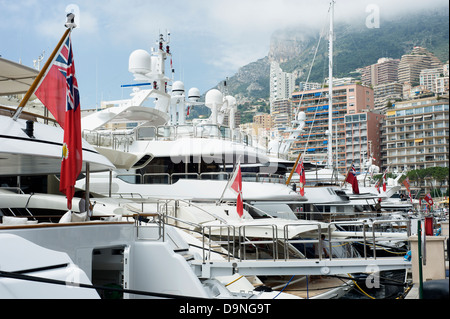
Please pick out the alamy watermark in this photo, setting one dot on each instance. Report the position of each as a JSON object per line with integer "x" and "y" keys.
{"x": 373, "y": 19}
{"x": 373, "y": 279}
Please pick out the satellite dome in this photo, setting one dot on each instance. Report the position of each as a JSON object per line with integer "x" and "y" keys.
{"x": 213, "y": 97}
{"x": 231, "y": 101}
{"x": 301, "y": 116}
{"x": 194, "y": 94}
{"x": 139, "y": 62}
{"x": 178, "y": 88}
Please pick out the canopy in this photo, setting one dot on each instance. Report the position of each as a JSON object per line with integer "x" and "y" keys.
{"x": 15, "y": 78}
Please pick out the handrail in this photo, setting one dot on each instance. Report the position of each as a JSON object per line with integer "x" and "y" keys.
{"x": 252, "y": 242}
{"x": 290, "y": 241}
{"x": 347, "y": 223}
{"x": 237, "y": 236}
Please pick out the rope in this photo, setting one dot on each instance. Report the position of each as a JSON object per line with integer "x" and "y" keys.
{"x": 13, "y": 275}
{"x": 356, "y": 284}
{"x": 233, "y": 281}
{"x": 284, "y": 286}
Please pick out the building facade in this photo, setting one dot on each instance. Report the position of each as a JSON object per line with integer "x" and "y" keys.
{"x": 384, "y": 71}
{"x": 363, "y": 139}
{"x": 282, "y": 84}
{"x": 281, "y": 114}
{"x": 263, "y": 120}
{"x": 387, "y": 93}
{"x": 428, "y": 77}
{"x": 416, "y": 135}
{"x": 412, "y": 64}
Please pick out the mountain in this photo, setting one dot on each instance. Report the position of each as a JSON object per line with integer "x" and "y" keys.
{"x": 355, "y": 46}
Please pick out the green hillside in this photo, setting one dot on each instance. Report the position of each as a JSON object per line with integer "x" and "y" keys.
{"x": 358, "y": 46}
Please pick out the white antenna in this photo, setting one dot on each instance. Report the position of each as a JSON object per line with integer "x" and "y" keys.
{"x": 37, "y": 62}
{"x": 330, "y": 89}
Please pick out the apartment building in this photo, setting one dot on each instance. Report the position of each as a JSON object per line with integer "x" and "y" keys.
{"x": 263, "y": 120}
{"x": 442, "y": 82}
{"x": 385, "y": 93}
{"x": 384, "y": 71}
{"x": 411, "y": 64}
{"x": 281, "y": 113}
{"x": 363, "y": 138}
{"x": 415, "y": 134}
{"x": 282, "y": 84}
{"x": 428, "y": 77}
{"x": 347, "y": 99}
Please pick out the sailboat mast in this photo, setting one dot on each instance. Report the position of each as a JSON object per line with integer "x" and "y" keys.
{"x": 330, "y": 89}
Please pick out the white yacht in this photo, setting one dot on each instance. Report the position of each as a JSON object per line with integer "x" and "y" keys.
{"x": 49, "y": 252}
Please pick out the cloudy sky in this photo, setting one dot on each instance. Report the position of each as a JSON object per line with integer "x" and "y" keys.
{"x": 210, "y": 39}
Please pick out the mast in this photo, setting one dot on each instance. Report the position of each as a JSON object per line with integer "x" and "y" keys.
{"x": 330, "y": 89}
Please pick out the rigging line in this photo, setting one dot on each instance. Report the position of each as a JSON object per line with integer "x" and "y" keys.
{"x": 312, "y": 64}
{"x": 310, "y": 69}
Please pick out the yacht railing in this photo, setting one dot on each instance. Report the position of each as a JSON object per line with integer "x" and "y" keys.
{"x": 122, "y": 139}
{"x": 168, "y": 179}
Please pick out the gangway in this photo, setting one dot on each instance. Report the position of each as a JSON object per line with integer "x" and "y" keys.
{"x": 210, "y": 269}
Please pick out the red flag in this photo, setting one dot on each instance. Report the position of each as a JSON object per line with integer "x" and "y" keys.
{"x": 58, "y": 91}
{"x": 407, "y": 185}
{"x": 428, "y": 199}
{"x": 236, "y": 186}
{"x": 351, "y": 178}
{"x": 383, "y": 179}
{"x": 377, "y": 186}
{"x": 301, "y": 172}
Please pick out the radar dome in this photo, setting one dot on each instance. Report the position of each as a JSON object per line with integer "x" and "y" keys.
{"x": 194, "y": 95}
{"x": 213, "y": 97}
{"x": 178, "y": 88}
{"x": 301, "y": 116}
{"x": 139, "y": 62}
{"x": 231, "y": 101}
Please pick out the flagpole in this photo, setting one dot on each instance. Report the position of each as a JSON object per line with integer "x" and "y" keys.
{"x": 293, "y": 168}
{"x": 39, "y": 77}
{"x": 345, "y": 180}
{"x": 228, "y": 182}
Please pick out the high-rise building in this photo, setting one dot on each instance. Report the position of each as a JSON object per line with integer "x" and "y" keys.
{"x": 384, "y": 71}
{"x": 416, "y": 134}
{"x": 411, "y": 64}
{"x": 442, "y": 81}
{"x": 385, "y": 93}
{"x": 363, "y": 138}
{"x": 347, "y": 99}
{"x": 427, "y": 78}
{"x": 263, "y": 120}
{"x": 281, "y": 114}
{"x": 282, "y": 84}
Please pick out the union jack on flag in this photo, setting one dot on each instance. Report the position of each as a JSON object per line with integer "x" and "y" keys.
{"x": 59, "y": 86}
{"x": 66, "y": 66}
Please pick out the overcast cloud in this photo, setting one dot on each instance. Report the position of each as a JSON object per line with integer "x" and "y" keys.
{"x": 211, "y": 39}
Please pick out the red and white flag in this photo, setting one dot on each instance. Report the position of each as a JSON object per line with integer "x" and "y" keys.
{"x": 428, "y": 199}
{"x": 235, "y": 184}
{"x": 301, "y": 172}
{"x": 407, "y": 185}
{"x": 58, "y": 91}
{"x": 351, "y": 178}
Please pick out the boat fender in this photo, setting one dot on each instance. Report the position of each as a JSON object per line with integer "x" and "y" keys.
{"x": 436, "y": 289}
{"x": 407, "y": 257}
